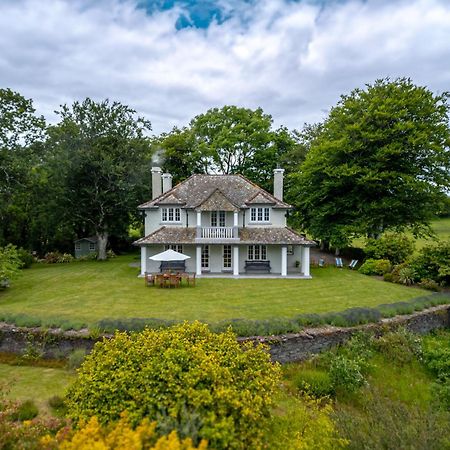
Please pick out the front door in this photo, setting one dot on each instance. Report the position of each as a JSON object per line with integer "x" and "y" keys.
{"x": 226, "y": 257}
{"x": 205, "y": 257}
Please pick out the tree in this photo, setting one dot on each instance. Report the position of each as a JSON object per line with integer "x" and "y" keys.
{"x": 103, "y": 155}
{"x": 21, "y": 133}
{"x": 202, "y": 384}
{"x": 380, "y": 162}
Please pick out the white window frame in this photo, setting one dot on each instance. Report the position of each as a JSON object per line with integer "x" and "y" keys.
{"x": 91, "y": 246}
{"x": 205, "y": 257}
{"x": 227, "y": 257}
{"x": 260, "y": 214}
{"x": 176, "y": 247}
{"x": 171, "y": 214}
{"x": 214, "y": 218}
{"x": 257, "y": 252}
{"x": 77, "y": 245}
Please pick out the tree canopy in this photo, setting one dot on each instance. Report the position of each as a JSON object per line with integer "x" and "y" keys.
{"x": 379, "y": 162}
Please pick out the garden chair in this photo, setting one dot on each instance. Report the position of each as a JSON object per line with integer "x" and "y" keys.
{"x": 321, "y": 262}
{"x": 174, "y": 280}
{"x": 191, "y": 279}
{"x": 353, "y": 264}
{"x": 149, "y": 279}
{"x": 339, "y": 263}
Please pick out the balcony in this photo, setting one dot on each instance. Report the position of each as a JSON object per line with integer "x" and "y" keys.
{"x": 217, "y": 234}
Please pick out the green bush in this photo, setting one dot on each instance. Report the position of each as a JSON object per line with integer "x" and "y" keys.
{"x": 314, "y": 382}
{"x": 394, "y": 247}
{"x": 400, "y": 346}
{"x": 389, "y": 277}
{"x": 10, "y": 264}
{"x": 433, "y": 263}
{"x": 202, "y": 384}
{"x": 375, "y": 267}
{"x": 26, "y": 257}
{"x": 430, "y": 285}
{"x": 76, "y": 358}
{"x": 346, "y": 374}
{"x": 406, "y": 276}
{"x": 27, "y": 410}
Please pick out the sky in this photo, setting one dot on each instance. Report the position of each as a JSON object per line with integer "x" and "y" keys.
{"x": 171, "y": 60}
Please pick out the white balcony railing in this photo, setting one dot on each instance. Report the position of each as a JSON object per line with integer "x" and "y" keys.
{"x": 217, "y": 232}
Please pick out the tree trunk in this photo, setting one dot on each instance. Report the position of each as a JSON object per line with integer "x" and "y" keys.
{"x": 337, "y": 250}
{"x": 102, "y": 242}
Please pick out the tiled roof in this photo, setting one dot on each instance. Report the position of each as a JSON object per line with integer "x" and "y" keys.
{"x": 216, "y": 202}
{"x": 197, "y": 188}
{"x": 249, "y": 235}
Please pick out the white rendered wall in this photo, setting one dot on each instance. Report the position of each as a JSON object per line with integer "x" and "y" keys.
{"x": 277, "y": 218}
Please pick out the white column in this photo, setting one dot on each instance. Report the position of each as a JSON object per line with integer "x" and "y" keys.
{"x": 143, "y": 260}
{"x": 198, "y": 260}
{"x": 199, "y": 218}
{"x": 235, "y": 260}
{"x": 235, "y": 218}
{"x": 305, "y": 261}
{"x": 283, "y": 261}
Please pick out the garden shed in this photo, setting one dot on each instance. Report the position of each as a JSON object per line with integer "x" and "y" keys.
{"x": 85, "y": 246}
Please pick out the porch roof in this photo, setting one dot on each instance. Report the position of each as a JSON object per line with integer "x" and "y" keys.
{"x": 249, "y": 235}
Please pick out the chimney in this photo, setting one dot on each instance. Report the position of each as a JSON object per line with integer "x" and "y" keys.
{"x": 156, "y": 182}
{"x": 166, "y": 182}
{"x": 278, "y": 175}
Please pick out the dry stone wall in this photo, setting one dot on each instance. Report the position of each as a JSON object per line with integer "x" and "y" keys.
{"x": 56, "y": 343}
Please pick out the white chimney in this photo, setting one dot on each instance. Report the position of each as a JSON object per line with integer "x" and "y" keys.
{"x": 166, "y": 182}
{"x": 278, "y": 175}
{"x": 156, "y": 182}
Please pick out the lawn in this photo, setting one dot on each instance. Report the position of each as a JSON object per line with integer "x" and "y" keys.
{"x": 90, "y": 291}
{"x": 35, "y": 383}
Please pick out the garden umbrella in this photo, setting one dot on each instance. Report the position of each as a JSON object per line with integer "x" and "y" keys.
{"x": 169, "y": 255}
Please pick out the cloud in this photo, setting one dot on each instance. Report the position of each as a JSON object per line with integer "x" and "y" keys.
{"x": 293, "y": 59}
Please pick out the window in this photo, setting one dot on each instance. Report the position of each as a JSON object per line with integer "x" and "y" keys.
{"x": 176, "y": 247}
{"x": 227, "y": 256}
{"x": 259, "y": 214}
{"x": 221, "y": 218}
{"x": 170, "y": 215}
{"x": 91, "y": 246}
{"x": 218, "y": 215}
{"x": 205, "y": 257}
{"x": 77, "y": 246}
{"x": 290, "y": 249}
{"x": 257, "y": 252}
{"x": 214, "y": 218}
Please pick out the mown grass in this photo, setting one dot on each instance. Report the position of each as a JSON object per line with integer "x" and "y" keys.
{"x": 86, "y": 292}
{"x": 34, "y": 383}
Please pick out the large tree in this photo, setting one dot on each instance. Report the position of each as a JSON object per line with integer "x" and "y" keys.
{"x": 227, "y": 140}
{"x": 21, "y": 136}
{"x": 379, "y": 162}
{"x": 104, "y": 156}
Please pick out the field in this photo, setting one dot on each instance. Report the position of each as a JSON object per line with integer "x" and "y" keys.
{"x": 86, "y": 292}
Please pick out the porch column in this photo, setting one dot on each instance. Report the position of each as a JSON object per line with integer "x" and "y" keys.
{"x": 305, "y": 261}
{"x": 235, "y": 260}
{"x": 143, "y": 260}
{"x": 199, "y": 224}
{"x": 235, "y": 223}
{"x": 198, "y": 260}
{"x": 283, "y": 261}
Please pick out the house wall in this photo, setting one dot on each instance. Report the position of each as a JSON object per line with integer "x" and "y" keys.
{"x": 153, "y": 220}
{"x": 277, "y": 218}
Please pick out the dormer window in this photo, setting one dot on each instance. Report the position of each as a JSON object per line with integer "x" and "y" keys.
{"x": 170, "y": 215}
{"x": 260, "y": 214}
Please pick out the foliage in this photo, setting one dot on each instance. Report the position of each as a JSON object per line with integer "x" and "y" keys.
{"x": 10, "y": 264}
{"x": 26, "y": 410}
{"x": 26, "y": 257}
{"x": 346, "y": 374}
{"x": 433, "y": 262}
{"x": 400, "y": 346}
{"x": 314, "y": 382}
{"x": 430, "y": 285}
{"x": 120, "y": 436}
{"x": 305, "y": 424}
{"x": 375, "y": 267}
{"x": 395, "y": 247}
{"x": 76, "y": 358}
{"x": 380, "y": 162}
{"x": 406, "y": 275}
{"x": 204, "y": 385}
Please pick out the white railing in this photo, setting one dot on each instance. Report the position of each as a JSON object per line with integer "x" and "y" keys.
{"x": 217, "y": 232}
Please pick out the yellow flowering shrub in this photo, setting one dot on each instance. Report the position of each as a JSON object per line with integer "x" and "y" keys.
{"x": 186, "y": 378}
{"x": 120, "y": 436}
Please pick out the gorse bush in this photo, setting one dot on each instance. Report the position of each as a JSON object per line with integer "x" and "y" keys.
{"x": 201, "y": 384}
{"x": 375, "y": 267}
{"x": 394, "y": 247}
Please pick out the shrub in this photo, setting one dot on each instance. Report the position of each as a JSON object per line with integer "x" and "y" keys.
{"x": 56, "y": 402}
{"x": 430, "y": 285}
{"x": 76, "y": 358}
{"x": 26, "y": 257}
{"x": 110, "y": 254}
{"x": 314, "y": 382}
{"x": 65, "y": 258}
{"x": 399, "y": 346}
{"x": 10, "y": 264}
{"x": 52, "y": 257}
{"x": 27, "y": 410}
{"x": 375, "y": 267}
{"x": 201, "y": 384}
{"x": 394, "y": 247}
{"x": 389, "y": 277}
{"x": 433, "y": 262}
{"x": 121, "y": 435}
{"x": 406, "y": 275}
{"x": 345, "y": 374}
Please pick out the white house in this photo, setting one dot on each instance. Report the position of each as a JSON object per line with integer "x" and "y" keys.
{"x": 225, "y": 223}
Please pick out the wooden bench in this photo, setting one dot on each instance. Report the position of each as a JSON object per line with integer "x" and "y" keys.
{"x": 257, "y": 266}
{"x": 175, "y": 266}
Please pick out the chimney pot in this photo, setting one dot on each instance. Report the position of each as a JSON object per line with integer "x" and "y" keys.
{"x": 156, "y": 182}
{"x": 278, "y": 175}
{"x": 166, "y": 182}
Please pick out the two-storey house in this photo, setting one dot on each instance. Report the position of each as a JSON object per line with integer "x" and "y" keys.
{"x": 225, "y": 223}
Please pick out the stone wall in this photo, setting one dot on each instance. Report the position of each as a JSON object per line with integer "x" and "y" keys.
{"x": 284, "y": 349}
